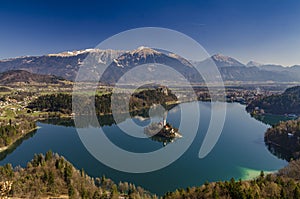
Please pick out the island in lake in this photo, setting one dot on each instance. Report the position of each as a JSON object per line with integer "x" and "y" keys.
{"x": 162, "y": 131}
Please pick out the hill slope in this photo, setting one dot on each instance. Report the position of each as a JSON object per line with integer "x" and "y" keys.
{"x": 21, "y": 76}
{"x": 53, "y": 176}
{"x": 285, "y": 103}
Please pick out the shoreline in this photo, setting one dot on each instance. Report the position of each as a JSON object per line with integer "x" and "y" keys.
{"x": 250, "y": 174}
{"x": 4, "y": 148}
{"x": 247, "y": 173}
{"x": 171, "y": 103}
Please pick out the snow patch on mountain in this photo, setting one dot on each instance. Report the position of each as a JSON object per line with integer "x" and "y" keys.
{"x": 75, "y": 52}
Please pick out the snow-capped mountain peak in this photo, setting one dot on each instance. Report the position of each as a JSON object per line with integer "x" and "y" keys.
{"x": 144, "y": 51}
{"x": 224, "y": 61}
{"x": 220, "y": 57}
{"x": 142, "y": 47}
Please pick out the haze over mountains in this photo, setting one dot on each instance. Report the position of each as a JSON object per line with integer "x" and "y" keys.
{"x": 67, "y": 64}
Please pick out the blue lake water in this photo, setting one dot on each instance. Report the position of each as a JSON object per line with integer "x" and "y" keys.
{"x": 239, "y": 150}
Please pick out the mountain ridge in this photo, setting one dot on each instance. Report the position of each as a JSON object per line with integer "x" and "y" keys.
{"x": 66, "y": 65}
{"x": 22, "y": 76}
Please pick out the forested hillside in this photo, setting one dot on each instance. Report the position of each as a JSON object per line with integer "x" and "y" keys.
{"x": 285, "y": 103}
{"x": 63, "y": 102}
{"x": 53, "y": 176}
{"x": 284, "y": 139}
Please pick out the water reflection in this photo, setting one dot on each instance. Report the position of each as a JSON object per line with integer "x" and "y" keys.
{"x": 279, "y": 148}
{"x": 102, "y": 120}
{"x": 270, "y": 119}
{"x": 11, "y": 148}
{"x": 279, "y": 151}
{"x": 162, "y": 132}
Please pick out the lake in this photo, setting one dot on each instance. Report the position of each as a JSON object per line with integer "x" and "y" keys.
{"x": 240, "y": 151}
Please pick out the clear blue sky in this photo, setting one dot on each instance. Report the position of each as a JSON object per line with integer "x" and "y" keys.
{"x": 266, "y": 31}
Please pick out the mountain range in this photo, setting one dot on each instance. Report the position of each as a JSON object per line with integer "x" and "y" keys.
{"x": 67, "y": 64}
